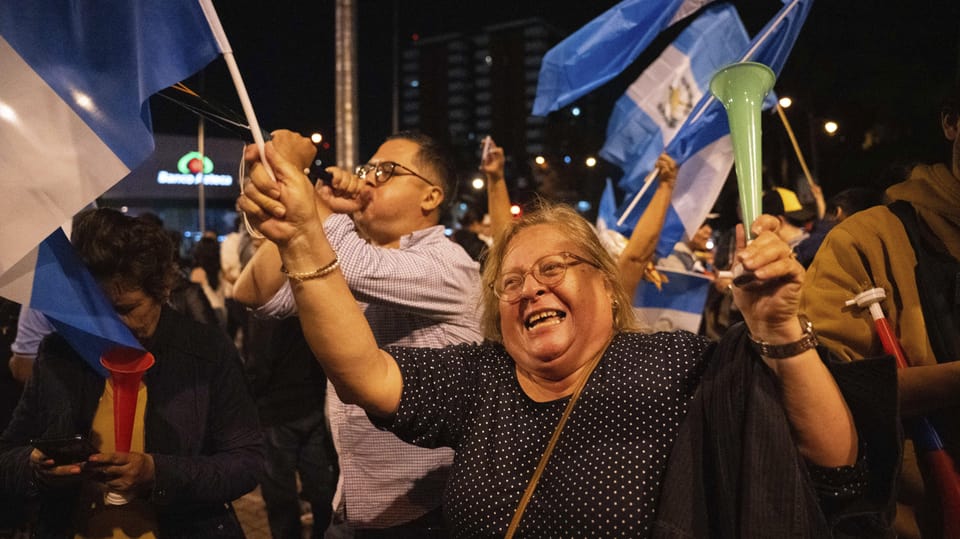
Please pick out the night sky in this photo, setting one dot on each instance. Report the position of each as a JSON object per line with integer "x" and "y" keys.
{"x": 877, "y": 67}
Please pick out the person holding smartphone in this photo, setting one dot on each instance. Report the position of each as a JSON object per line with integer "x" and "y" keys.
{"x": 196, "y": 444}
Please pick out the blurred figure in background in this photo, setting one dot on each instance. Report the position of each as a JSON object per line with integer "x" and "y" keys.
{"x": 839, "y": 207}
{"x": 208, "y": 273}
{"x": 473, "y": 234}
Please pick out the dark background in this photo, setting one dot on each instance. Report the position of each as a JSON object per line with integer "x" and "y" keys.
{"x": 877, "y": 68}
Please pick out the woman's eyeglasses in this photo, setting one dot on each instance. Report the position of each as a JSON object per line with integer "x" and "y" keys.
{"x": 548, "y": 271}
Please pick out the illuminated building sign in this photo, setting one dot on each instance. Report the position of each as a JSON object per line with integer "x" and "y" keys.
{"x": 174, "y": 170}
{"x": 173, "y": 178}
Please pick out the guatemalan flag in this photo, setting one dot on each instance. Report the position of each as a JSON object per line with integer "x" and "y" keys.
{"x": 703, "y": 138}
{"x": 603, "y": 48}
{"x": 74, "y": 120}
{"x": 653, "y": 109}
{"x": 677, "y": 305}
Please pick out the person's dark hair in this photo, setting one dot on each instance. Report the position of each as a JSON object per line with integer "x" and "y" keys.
{"x": 152, "y": 218}
{"x": 206, "y": 255}
{"x": 854, "y": 199}
{"x": 472, "y": 215}
{"x": 438, "y": 158}
{"x": 133, "y": 253}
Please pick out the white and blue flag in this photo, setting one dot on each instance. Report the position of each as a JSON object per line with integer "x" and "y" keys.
{"x": 74, "y": 120}
{"x": 603, "y": 48}
{"x": 702, "y": 143}
{"x": 73, "y": 95}
{"x": 678, "y": 305}
{"x": 647, "y": 117}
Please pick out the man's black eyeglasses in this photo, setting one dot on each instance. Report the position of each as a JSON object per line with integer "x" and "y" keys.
{"x": 384, "y": 170}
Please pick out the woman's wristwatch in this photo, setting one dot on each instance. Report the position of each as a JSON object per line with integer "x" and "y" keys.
{"x": 783, "y": 351}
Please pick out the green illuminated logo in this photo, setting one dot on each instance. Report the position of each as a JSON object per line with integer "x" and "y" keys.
{"x": 190, "y": 164}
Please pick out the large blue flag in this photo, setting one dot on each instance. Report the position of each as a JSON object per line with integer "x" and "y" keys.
{"x": 702, "y": 143}
{"x": 73, "y": 115}
{"x": 603, "y": 48}
{"x": 74, "y": 120}
{"x": 649, "y": 114}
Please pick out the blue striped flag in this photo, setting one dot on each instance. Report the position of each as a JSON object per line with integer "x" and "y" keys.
{"x": 74, "y": 120}
{"x": 73, "y": 111}
{"x": 678, "y": 305}
{"x": 603, "y": 48}
{"x": 701, "y": 144}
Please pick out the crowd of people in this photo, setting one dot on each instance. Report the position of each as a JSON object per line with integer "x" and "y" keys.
{"x": 345, "y": 354}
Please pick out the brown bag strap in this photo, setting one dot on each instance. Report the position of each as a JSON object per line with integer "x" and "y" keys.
{"x": 532, "y": 485}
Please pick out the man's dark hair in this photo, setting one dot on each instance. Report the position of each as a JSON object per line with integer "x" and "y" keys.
{"x": 438, "y": 157}
{"x": 854, "y": 199}
{"x": 135, "y": 253}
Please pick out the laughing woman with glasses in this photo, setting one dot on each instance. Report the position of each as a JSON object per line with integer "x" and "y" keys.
{"x": 568, "y": 421}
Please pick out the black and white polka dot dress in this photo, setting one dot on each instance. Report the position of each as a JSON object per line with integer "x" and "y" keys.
{"x": 604, "y": 476}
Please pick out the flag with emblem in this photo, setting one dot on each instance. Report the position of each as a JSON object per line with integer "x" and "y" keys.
{"x": 702, "y": 143}
{"x": 603, "y": 48}
{"x": 649, "y": 114}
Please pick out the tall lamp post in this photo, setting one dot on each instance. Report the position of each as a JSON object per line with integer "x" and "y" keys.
{"x": 347, "y": 114}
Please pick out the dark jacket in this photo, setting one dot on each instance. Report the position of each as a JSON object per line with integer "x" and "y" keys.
{"x": 735, "y": 470}
{"x": 285, "y": 378}
{"x": 200, "y": 426}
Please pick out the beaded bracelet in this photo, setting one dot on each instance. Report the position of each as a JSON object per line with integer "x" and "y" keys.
{"x": 316, "y": 274}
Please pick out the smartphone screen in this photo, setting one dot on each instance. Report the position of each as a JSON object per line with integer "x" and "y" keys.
{"x": 67, "y": 450}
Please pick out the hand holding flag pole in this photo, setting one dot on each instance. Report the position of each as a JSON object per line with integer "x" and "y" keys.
{"x": 770, "y": 47}
{"x": 636, "y": 199}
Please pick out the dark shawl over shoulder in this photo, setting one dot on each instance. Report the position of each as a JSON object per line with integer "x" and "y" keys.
{"x": 735, "y": 471}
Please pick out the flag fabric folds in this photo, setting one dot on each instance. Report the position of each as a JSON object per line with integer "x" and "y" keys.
{"x": 66, "y": 293}
{"x": 74, "y": 120}
{"x": 702, "y": 146}
{"x": 650, "y": 114}
{"x": 647, "y": 117}
{"x": 679, "y": 305}
{"x": 603, "y": 48}
{"x": 73, "y": 103}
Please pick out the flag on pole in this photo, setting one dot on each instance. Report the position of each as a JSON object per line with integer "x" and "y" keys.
{"x": 649, "y": 114}
{"x": 678, "y": 305}
{"x": 74, "y": 120}
{"x": 603, "y": 48}
{"x": 73, "y": 104}
{"x": 702, "y": 143}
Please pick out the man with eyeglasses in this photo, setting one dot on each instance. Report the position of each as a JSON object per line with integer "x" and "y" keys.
{"x": 418, "y": 288}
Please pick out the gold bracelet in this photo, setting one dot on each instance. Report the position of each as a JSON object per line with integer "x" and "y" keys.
{"x": 316, "y": 274}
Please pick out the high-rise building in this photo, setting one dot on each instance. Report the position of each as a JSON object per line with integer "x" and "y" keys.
{"x": 462, "y": 87}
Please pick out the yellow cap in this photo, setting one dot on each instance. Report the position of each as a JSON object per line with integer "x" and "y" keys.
{"x": 790, "y": 201}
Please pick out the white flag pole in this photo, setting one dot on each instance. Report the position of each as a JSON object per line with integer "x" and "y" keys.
{"x": 636, "y": 199}
{"x": 214, "y": 21}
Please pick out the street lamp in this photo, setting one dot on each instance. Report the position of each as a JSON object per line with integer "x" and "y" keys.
{"x": 830, "y": 127}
